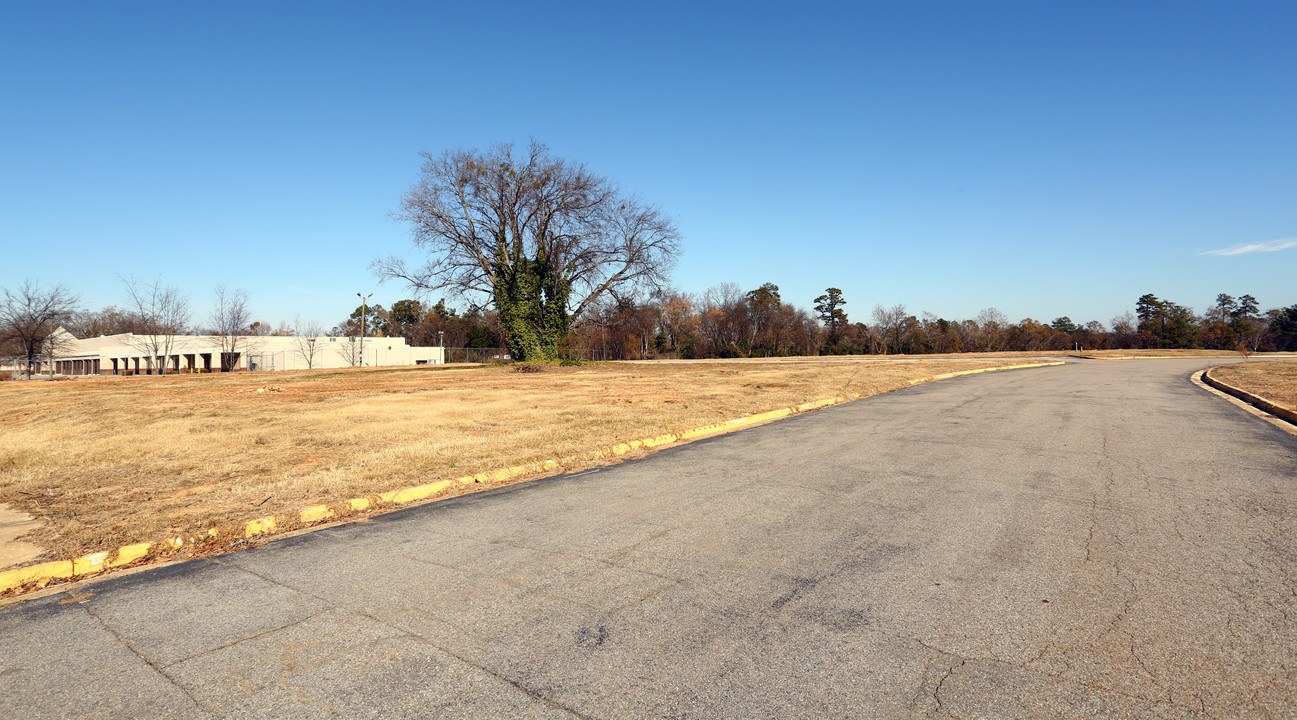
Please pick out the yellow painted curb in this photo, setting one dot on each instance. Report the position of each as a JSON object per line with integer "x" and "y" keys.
{"x": 316, "y": 513}
{"x": 97, "y": 562}
{"x": 130, "y": 553}
{"x": 92, "y": 563}
{"x": 259, "y": 526}
{"x": 418, "y": 493}
{"x": 35, "y": 573}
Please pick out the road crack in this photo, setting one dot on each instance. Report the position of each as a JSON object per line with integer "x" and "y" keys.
{"x": 160, "y": 670}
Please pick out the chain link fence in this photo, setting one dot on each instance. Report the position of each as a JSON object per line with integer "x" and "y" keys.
{"x": 267, "y": 361}
{"x": 496, "y": 355}
{"x": 583, "y": 354}
{"x": 477, "y": 355}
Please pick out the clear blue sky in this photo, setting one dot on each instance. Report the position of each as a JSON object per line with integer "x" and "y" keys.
{"x": 1043, "y": 158}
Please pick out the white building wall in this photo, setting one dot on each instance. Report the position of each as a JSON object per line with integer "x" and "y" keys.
{"x": 255, "y": 352}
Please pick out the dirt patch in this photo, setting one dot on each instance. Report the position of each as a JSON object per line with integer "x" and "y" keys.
{"x": 190, "y": 491}
{"x": 1274, "y": 380}
{"x": 194, "y": 452}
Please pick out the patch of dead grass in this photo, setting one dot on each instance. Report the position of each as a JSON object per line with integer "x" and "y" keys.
{"x": 110, "y": 461}
{"x": 1274, "y": 380}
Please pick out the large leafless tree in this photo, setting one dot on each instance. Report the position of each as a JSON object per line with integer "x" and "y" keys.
{"x": 30, "y": 317}
{"x": 161, "y": 313}
{"x": 539, "y": 237}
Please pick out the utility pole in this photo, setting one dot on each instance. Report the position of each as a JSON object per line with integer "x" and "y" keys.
{"x": 364, "y": 300}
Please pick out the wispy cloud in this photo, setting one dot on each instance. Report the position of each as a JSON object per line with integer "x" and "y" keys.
{"x": 1272, "y": 246}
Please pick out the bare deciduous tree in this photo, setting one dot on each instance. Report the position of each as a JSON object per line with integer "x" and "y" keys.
{"x": 723, "y": 318}
{"x": 890, "y": 324}
{"x": 30, "y": 316}
{"x": 349, "y": 350}
{"x": 307, "y": 339}
{"x": 161, "y": 312}
{"x": 540, "y": 237}
{"x": 991, "y": 337}
{"x": 231, "y": 320}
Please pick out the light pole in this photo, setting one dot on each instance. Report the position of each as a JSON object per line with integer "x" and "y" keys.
{"x": 364, "y": 300}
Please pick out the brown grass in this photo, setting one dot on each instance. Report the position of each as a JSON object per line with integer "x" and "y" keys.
{"x": 1274, "y": 380}
{"x": 110, "y": 461}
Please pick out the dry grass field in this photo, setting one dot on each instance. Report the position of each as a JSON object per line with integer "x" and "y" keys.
{"x": 1274, "y": 380}
{"x": 109, "y": 461}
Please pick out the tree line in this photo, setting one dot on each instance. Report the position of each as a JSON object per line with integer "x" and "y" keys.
{"x": 729, "y": 322}
{"x": 723, "y": 322}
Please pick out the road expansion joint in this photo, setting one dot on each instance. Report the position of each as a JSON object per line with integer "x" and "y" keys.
{"x": 400, "y": 632}
{"x": 516, "y": 684}
{"x": 161, "y": 671}
{"x": 254, "y": 636}
{"x": 672, "y": 583}
{"x": 423, "y": 560}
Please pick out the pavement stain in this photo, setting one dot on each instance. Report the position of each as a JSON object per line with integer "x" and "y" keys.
{"x": 800, "y": 585}
{"x": 595, "y": 637}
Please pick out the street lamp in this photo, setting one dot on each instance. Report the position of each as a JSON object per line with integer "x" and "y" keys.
{"x": 364, "y": 300}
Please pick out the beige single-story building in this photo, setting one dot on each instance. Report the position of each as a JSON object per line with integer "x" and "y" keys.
{"x": 129, "y": 354}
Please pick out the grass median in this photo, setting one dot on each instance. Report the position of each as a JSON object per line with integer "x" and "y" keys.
{"x": 103, "y": 462}
{"x": 1274, "y": 380}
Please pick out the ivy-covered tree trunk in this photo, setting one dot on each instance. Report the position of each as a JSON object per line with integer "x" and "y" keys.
{"x": 531, "y": 298}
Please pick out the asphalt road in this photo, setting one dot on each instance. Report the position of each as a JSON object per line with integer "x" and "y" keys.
{"x": 1101, "y": 539}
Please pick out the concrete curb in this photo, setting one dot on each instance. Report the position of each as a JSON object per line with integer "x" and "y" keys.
{"x": 37, "y": 576}
{"x": 1269, "y": 406}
